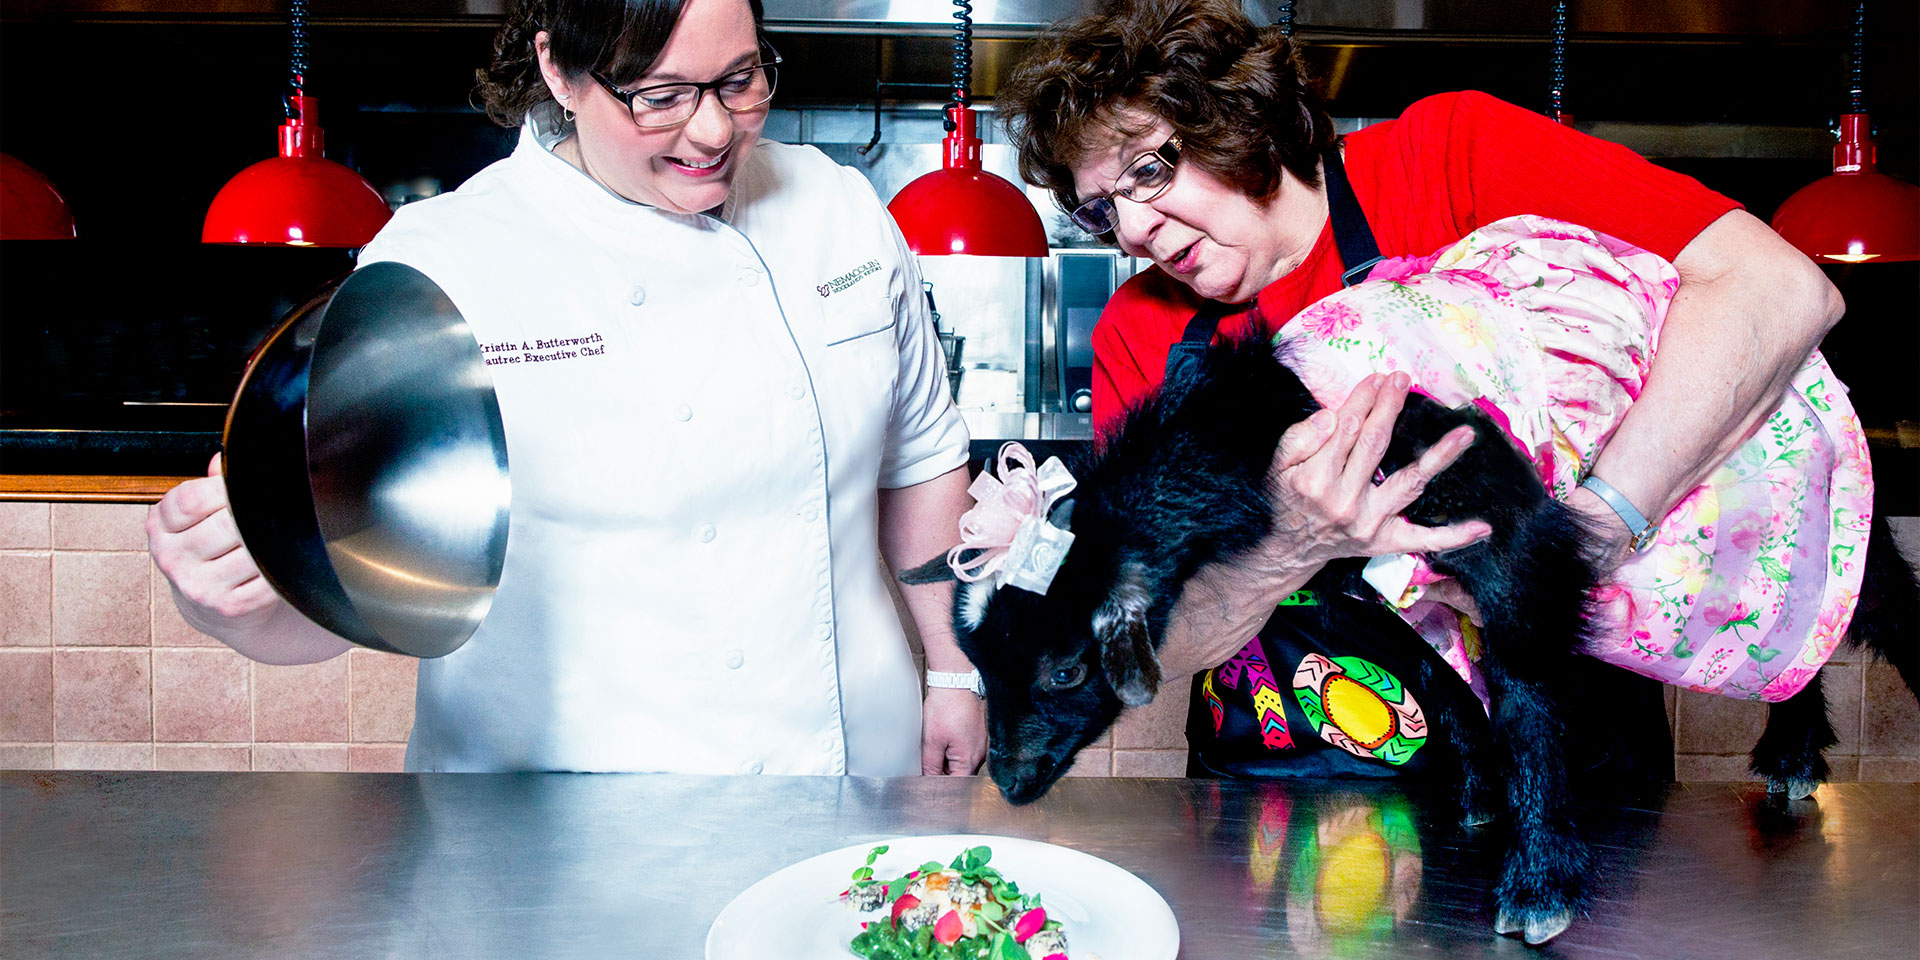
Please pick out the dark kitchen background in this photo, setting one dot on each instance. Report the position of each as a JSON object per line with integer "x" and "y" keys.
{"x": 139, "y": 110}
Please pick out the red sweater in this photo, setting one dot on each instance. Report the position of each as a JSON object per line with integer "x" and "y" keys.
{"x": 1449, "y": 165}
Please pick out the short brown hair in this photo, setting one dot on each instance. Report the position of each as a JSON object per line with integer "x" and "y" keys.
{"x": 1237, "y": 94}
{"x": 619, "y": 39}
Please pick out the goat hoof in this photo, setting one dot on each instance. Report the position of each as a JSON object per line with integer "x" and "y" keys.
{"x": 1794, "y": 789}
{"x": 1536, "y": 929}
{"x": 1505, "y": 924}
{"x": 1474, "y": 819}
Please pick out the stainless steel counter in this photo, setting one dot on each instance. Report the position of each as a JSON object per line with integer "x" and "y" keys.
{"x": 160, "y": 865}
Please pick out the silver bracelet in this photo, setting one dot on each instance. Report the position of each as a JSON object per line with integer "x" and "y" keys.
{"x": 1642, "y": 529}
{"x": 958, "y": 681}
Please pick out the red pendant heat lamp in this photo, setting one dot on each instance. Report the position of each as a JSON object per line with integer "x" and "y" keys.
{"x": 960, "y": 208}
{"x": 1854, "y": 215}
{"x": 298, "y": 198}
{"x": 30, "y": 207}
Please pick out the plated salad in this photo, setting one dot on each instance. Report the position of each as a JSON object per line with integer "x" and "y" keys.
{"x": 964, "y": 910}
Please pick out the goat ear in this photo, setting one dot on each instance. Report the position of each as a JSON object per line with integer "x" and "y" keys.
{"x": 933, "y": 571}
{"x": 1062, "y": 515}
{"x": 971, "y": 605}
{"x": 1126, "y": 647}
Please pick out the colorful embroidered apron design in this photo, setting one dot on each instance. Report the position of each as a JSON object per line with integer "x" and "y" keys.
{"x": 1360, "y": 708}
{"x": 1269, "y": 707}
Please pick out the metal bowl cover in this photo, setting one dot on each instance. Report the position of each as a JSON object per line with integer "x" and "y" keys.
{"x": 366, "y": 464}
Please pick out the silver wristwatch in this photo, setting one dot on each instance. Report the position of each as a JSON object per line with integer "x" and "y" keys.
{"x": 958, "y": 681}
{"x": 1642, "y": 529}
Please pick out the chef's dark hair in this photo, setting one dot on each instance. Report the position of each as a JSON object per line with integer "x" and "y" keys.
{"x": 1238, "y": 94}
{"x": 620, "y": 39}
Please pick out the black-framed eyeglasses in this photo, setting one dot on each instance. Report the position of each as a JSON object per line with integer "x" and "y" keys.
{"x": 667, "y": 104}
{"x": 1145, "y": 179}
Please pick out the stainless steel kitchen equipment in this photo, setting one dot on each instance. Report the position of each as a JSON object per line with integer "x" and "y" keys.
{"x": 366, "y": 464}
{"x": 1074, "y": 286}
{"x": 953, "y": 346}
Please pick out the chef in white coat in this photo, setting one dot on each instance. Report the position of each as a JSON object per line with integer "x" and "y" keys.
{"x": 723, "y": 400}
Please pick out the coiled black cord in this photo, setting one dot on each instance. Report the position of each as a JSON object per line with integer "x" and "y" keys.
{"x": 962, "y": 78}
{"x": 962, "y": 51}
{"x": 1558, "y": 83}
{"x": 1859, "y": 55}
{"x": 297, "y": 59}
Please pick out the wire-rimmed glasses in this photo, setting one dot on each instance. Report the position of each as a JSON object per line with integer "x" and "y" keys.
{"x": 667, "y": 104}
{"x": 1146, "y": 178}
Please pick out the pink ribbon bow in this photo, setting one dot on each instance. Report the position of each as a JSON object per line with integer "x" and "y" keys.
{"x": 1008, "y": 523}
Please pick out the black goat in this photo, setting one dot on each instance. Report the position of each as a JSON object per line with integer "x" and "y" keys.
{"x": 1183, "y": 484}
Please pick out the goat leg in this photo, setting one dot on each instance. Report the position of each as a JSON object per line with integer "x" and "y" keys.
{"x": 1547, "y": 869}
{"x": 1887, "y": 620}
{"x": 1466, "y": 743}
{"x": 1790, "y": 753}
{"x": 1530, "y": 581}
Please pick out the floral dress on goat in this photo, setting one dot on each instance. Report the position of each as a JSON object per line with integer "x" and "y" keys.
{"x": 1551, "y": 329}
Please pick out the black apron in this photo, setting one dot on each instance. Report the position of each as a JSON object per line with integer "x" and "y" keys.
{"x": 1337, "y": 685}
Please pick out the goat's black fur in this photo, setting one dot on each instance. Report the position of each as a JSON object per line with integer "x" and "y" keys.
{"x": 1183, "y": 483}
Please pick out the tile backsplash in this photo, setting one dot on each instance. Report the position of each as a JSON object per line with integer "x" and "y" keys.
{"x": 99, "y": 671}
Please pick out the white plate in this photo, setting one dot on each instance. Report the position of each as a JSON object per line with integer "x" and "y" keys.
{"x": 797, "y": 913}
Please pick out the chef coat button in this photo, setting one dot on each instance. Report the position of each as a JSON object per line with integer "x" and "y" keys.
{"x": 825, "y": 632}
{"x": 749, "y": 277}
{"x": 638, "y": 297}
{"x": 734, "y": 659}
{"x": 809, "y": 514}
{"x": 706, "y": 536}
{"x": 751, "y": 767}
{"x": 796, "y": 391}
{"x": 683, "y": 413}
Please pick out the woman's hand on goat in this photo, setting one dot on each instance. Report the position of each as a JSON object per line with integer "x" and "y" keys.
{"x": 1326, "y": 504}
{"x": 953, "y": 733}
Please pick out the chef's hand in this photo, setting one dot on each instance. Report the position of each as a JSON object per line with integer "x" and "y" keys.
{"x": 193, "y": 540}
{"x": 953, "y": 733}
{"x": 218, "y": 588}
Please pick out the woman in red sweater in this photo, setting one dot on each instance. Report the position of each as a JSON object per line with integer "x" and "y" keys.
{"x": 1181, "y": 132}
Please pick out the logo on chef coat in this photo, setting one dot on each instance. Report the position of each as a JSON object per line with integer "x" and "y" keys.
{"x": 848, "y": 279}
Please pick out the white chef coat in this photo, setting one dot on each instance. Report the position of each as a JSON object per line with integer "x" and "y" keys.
{"x": 698, "y": 414}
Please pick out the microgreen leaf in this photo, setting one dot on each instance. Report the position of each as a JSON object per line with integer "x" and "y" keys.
{"x": 976, "y": 857}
